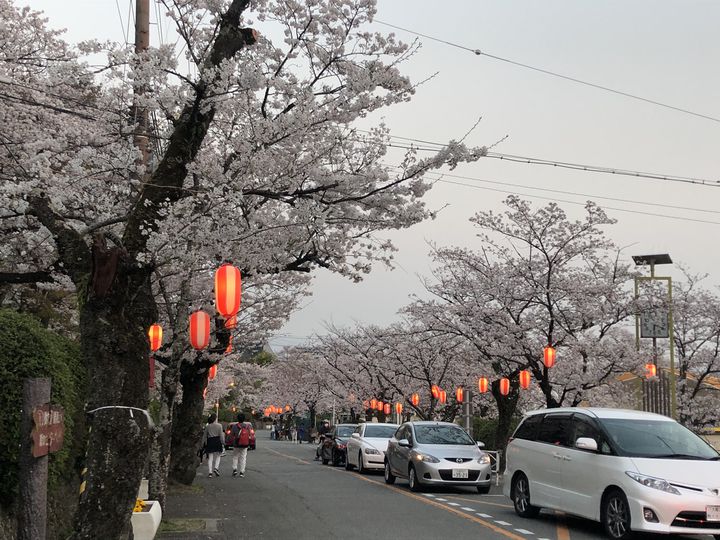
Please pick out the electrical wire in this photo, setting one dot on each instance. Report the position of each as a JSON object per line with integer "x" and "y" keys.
{"x": 479, "y": 52}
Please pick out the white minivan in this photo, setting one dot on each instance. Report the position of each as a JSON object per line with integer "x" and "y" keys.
{"x": 629, "y": 470}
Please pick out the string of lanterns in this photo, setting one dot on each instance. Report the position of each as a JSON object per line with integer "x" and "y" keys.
{"x": 273, "y": 409}
{"x": 228, "y": 292}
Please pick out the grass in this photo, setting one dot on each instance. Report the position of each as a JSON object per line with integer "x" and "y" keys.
{"x": 181, "y": 525}
{"x": 175, "y": 488}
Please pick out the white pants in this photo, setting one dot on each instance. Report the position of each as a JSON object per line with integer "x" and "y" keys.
{"x": 239, "y": 454}
{"x": 213, "y": 457}
{"x": 294, "y": 437}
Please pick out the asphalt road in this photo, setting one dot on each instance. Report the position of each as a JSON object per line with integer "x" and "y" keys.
{"x": 287, "y": 495}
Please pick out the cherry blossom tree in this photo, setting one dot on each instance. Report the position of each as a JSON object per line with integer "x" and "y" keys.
{"x": 253, "y": 158}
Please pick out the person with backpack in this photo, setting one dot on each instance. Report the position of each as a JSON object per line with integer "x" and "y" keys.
{"x": 239, "y": 439}
{"x": 212, "y": 443}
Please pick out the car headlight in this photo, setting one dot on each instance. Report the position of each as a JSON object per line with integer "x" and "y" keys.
{"x": 651, "y": 482}
{"x": 484, "y": 459}
{"x": 427, "y": 458}
{"x": 372, "y": 451}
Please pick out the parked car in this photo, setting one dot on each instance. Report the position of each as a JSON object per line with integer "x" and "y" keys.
{"x": 333, "y": 446}
{"x": 366, "y": 446}
{"x": 438, "y": 453}
{"x": 629, "y": 470}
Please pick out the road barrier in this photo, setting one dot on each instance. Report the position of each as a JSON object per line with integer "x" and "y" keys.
{"x": 495, "y": 464}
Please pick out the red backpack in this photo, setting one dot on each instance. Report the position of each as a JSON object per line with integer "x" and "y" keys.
{"x": 238, "y": 435}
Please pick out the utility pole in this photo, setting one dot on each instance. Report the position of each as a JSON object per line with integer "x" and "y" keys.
{"x": 140, "y": 113}
{"x": 467, "y": 410}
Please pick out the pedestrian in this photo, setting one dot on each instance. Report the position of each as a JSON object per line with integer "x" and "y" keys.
{"x": 323, "y": 432}
{"x": 273, "y": 430}
{"x": 301, "y": 433}
{"x": 293, "y": 434}
{"x": 241, "y": 441}
{"x": 212, "y": 442}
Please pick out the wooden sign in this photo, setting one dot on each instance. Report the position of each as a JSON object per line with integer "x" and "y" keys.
{"x": 48, "y": 429}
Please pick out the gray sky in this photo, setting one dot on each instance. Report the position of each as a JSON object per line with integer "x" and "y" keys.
{"x": 666, "y": 51}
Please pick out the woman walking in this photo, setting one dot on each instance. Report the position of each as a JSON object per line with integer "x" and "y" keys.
{"x": 212, "y": 442}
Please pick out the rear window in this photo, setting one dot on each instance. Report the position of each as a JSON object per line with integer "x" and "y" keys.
{"x": 528, "y": 428}
{"x": 380, "y": 432}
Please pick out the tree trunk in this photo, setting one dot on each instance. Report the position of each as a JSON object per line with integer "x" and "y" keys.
{"x": 506, "y": 406}
{"x": 161, "y": 448}
{"x": 114, "y": 316}
{"x": 187, "y": 424}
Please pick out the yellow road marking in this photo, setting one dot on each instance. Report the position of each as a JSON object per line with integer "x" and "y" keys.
{"x": 563, "y": 533}
{"x": 425, "y": 500}
{"x": 478, "y": 500}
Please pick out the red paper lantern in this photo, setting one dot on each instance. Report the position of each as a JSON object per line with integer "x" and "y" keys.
{"x": 386, "y": 408}
{"x": 650, "y": 370}
{"x": 443, "y": 396}
{"x": 231, "y": 322}
{"x": 373, "y": 404}
{"x": 228, "y": 286}
{"x": 155, "y": 335}
{"x": 212, "y": 372}
{"x": 287, "y": 408}
{"x": 504, "y": 386}
{"x": 415, "y": 399}
{"x": 525, "y": 379}
{"x": 380, "y": 406}
{"x": 460, "y": 394}
{"x": 435, "y": 391}
{"x": 549, "y": 356}
{"x": 199, "y": 330}
{"x": 398, "y": 408}
{"x": 483, "y": 384}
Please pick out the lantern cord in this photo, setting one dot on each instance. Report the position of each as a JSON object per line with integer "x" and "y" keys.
{"x": 151, "y": 424}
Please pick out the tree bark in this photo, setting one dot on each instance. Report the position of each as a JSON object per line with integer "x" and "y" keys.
{"x": 161, "y": 448}
{"x": 187, "y": 425}
{"x": 506, "y": 407}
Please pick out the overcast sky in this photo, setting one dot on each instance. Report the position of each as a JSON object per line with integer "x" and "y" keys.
{"x": 667, "y": 51}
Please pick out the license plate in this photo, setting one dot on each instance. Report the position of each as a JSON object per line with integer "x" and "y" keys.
{"x": 463, "y": 473}
{"x": 713, "y": 513}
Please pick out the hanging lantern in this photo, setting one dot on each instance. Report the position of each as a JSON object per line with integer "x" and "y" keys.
{"x": 373, "y": 404}
{"x": 525, "y": 379}
{"x": 155, "y": 335}
{"x": 483, "y": 384}
{"x": 212, "y": 373}
{"x": 234, "y": 409}
{"x": 504, "y": 386}
{"x": 415, "y": 399}
{"x": 435, "y": 391}
{"x": 227, "y": 290}
{"x": 549, "y": 356}
{"x": 460, "y": 394}
{"x": 398, "y": 408}
{"x": 650, "y": 371}
{"x": 287, "y": 408}
{"x": 386, "y": 408}
{"x": 199, "y": 330}
{"x": 443, "y": 396}
{"x": 231, "y": 322}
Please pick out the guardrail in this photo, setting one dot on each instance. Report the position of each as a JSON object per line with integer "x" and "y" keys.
{"x": 495, "y": 464}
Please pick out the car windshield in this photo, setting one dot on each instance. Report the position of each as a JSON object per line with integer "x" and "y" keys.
{"x": 344, "y": 431}
{"x": 441, "y": 435}
{"x": 380, "y": 432}
{"x": 657, "y": 439}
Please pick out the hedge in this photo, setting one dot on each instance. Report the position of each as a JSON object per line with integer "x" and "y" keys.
{"x": 29, "y": 350}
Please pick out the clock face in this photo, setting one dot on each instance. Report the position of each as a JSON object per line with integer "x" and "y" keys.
{"x": 654, "y": 324}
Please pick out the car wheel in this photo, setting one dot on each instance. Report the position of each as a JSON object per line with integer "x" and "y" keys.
{"x": 413, "y": 480}
{"x": 361, "y": 469}
{"x": 520, "y": 495}
{"x": 483, "y": 490}
{"x": 348, "y": 466}
{"x": 389, "y": 476}
{"x": 615, "y": 515}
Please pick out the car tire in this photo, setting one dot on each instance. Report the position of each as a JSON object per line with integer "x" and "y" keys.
{"x": 520, "y": 495}
{"x": 483, "y": 490}
{"x": 389, "y": 476}
{"x": 615, "y": 515}
{"x": 360, "y": 467}
{"x": 348, "y": 465}
{"x": 413, "y": 480}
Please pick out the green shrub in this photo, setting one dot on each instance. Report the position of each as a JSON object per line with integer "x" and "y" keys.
{"x": 484, "y": 430}
{"x": 29, "y": 350}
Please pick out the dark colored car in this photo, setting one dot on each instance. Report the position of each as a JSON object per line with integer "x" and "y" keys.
{"x": 334, "y": 447}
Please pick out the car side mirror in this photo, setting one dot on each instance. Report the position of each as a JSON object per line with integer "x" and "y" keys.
{"x": 355, "y": 435}
{"x": 404, "y": 443}
{"x": 481, "y": 444}
{"x": 586, "y": 443}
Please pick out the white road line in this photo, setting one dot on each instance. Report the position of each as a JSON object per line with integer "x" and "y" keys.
{"x": 543, "y": 538}
{"x": 486, "y": 516}
{"x": 505, "y": 523}
{"x": 439, "y": 499}
{"x": 467, "y": 509}
{"x": 453, "y": 504}
{"x": 524, "y": 531}
{"x": 428, "y": 494}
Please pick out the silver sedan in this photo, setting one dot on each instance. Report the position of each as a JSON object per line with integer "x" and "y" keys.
{"x": 436, "y": 453}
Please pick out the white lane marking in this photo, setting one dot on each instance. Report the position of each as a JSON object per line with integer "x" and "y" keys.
{"x": 439, "y": 499}
{"x": 524, "y": 531}
{"x": 467, "y": 509}
{"x": 543, "y": 539}
{"x": 486, "y": 516}
{"x": 428, "y": 495}
{"x": 505, "y": 523}
{"x": 453, "y": 504}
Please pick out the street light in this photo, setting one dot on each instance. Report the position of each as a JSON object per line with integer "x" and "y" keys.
{"x": 656, "y": 324}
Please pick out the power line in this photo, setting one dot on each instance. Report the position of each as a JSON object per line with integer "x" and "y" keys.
{"x": 479, "y": 52}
